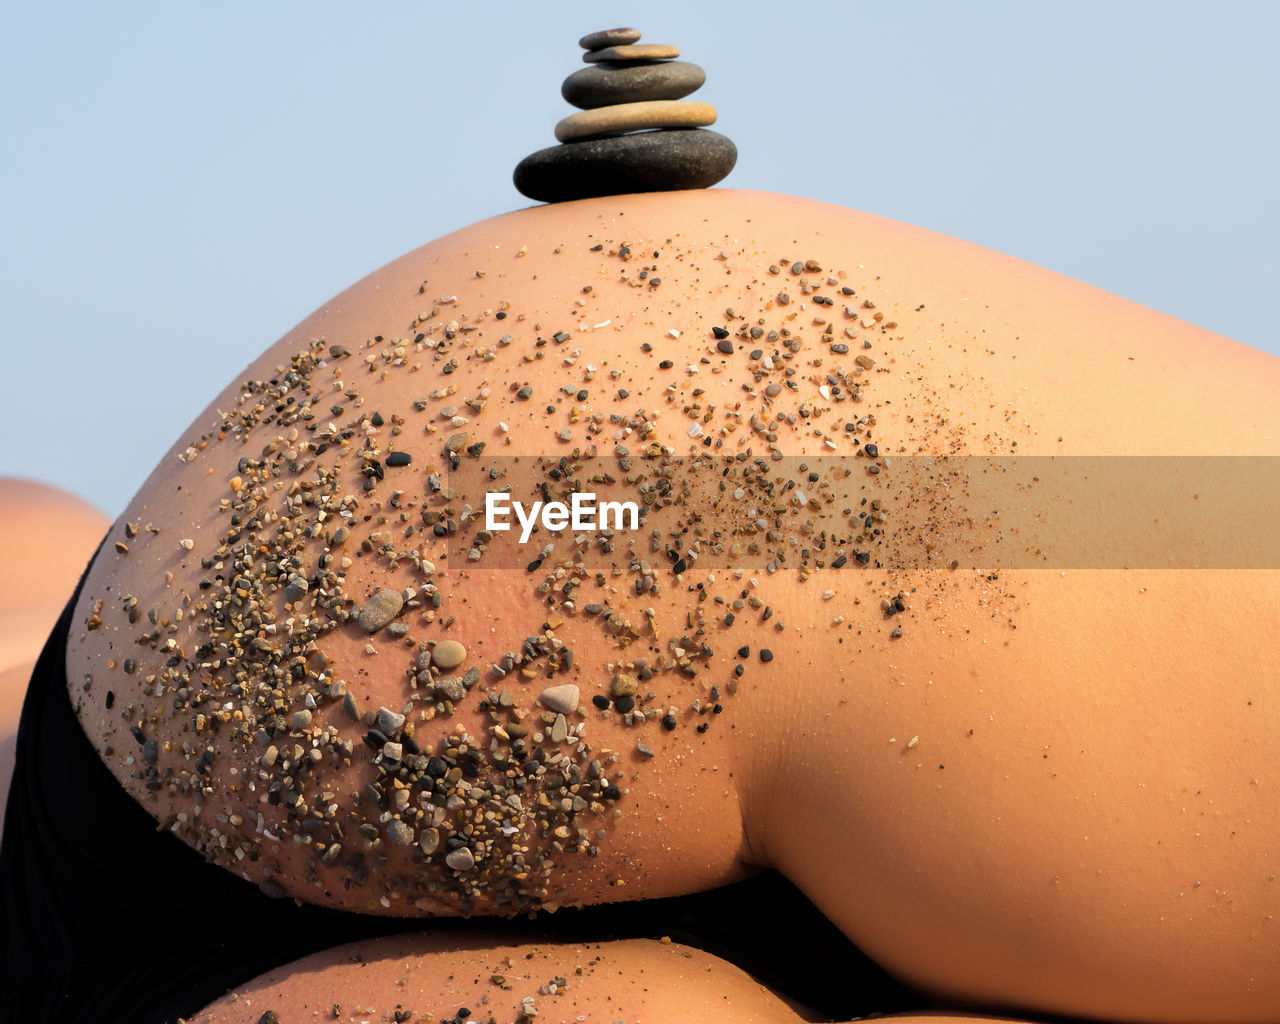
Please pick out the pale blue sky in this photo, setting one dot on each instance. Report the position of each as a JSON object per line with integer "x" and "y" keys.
{"x": 182, "y": 183}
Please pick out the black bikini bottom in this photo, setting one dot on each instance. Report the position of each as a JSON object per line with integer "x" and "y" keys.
{"x": 104, "y": 918}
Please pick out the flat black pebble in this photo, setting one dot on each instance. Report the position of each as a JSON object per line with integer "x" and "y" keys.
{"x": 766, "y": 654}
{"x": 399, "y": 459}
{"x": 658, "y": 161}
{"x": 609, "y": 37}
{"x": 610, "y": 82}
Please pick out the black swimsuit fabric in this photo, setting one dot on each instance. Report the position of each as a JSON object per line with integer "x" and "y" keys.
{"x": 103, "y": 918}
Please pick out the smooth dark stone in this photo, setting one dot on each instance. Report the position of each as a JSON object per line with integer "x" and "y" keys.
{"x": 608, "y": 83}
{"x": 610, "y": 37}
{"x": 660, "y": 161}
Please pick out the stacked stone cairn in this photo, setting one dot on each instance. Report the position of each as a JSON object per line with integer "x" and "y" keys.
{"x": 635, "y": 131}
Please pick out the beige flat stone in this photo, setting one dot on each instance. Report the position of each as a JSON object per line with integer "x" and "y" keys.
{"x": 640, "y": 51}
{"x": 626, "y": 117}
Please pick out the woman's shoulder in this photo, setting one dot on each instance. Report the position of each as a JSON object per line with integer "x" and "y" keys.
{"x": 48, "y": 537}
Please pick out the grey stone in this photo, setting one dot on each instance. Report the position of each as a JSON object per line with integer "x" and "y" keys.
{"x": 389, "y": 722}
{"x": 562, "y": 699}
{"x": 384, "y": 606}
{"x": 607, "y": 84}
{"x": 660, "y": 161}
{"x": 450, "y": 689}
{"x": 609, "y": 37}
{"x": 399, "y": 833}
{"x": 271, "y": 888}
{"x": 461, "y": 859}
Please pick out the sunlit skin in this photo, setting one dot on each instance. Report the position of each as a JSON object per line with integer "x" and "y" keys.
{"x": 1051, "y": 793}
{"x": 48, "y": 537}
{"x": 642, "y": 982}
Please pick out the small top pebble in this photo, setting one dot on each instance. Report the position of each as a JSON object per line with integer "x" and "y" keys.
{"x": 610, "y": 37}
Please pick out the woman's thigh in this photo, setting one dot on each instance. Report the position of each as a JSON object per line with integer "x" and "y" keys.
{"x": 425, "y": 977}
{"x": 422, "y": 978}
